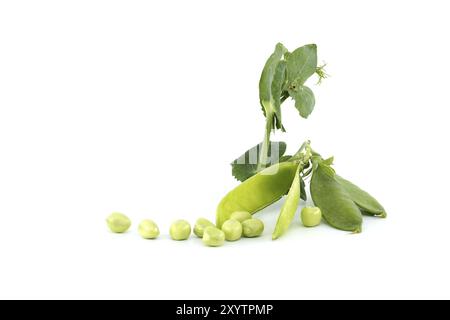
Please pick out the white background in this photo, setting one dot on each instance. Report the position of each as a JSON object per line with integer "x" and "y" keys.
{"x": 139, "y": 106}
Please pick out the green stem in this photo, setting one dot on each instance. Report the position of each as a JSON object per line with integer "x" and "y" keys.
{"x": 300, "y": 151}
{"x": 264, "y": 153}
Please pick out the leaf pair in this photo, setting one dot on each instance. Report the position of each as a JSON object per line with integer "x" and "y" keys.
{"x": 284, "y": 75}
{"x": 271, "y": 85}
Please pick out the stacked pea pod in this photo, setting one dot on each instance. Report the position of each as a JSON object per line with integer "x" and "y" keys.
{"x": 267, "y": 174}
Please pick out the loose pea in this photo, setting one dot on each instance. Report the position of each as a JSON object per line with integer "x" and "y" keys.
{"x": 180, "y": 230}
{"x": 232, "y": 229}
{"x": 213, "y": 237}
{"x": 252, "y": 228}
{"x": 311, "y": 216}
{"x": 118, "y": 222}
{"x": 241, "y": 216}
{"x": 148, "y": 229}
{"x": 200, "y": 226}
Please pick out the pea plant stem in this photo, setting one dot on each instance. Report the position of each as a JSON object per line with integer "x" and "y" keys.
{"x": 264, "y": 153}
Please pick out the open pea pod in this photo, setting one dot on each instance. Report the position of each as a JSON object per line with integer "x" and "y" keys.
{"x": 368, "y": 204}
{"x": 289, "y": 208}
{"x": 257, "y": 192}
{"x": 338, "y": 209}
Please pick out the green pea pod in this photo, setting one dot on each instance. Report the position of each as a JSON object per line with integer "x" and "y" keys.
{"x": 289, "y": 208}
{"x": 257, "y": 192}
{"x": 368, "y": 204}
{"x": 337, "y": 207}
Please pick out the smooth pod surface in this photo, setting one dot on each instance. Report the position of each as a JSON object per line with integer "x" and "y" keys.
{"x": 289, "y": 208}
{"x": 180, "y": 230}
{"x": 252, "y": 228}
{"x": 213, "y": 237}
{"x": 200, "y": 225}
{"x": 148, "y": 229}
{"x": 368, "y": 204}
{"x": 257, "y": 192}
{"x": 232, "y": 229}
{"x": 338, "y": 209}
{"x": 118, "y": 222}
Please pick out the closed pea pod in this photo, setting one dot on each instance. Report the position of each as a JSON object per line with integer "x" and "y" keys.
{"x": 338, "y": 209}
{"x": 368, "y": 204}
{"x": 257, "y": 192}
{"x": 289, "y": 208}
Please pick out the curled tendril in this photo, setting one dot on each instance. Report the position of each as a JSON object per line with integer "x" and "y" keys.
{"x": 321, "y": 73}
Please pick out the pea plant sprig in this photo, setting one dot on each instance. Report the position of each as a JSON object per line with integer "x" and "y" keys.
{"x": 267, "y": 174}
{"x": 283, "y": 76}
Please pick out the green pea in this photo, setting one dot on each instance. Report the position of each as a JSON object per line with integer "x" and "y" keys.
{"x": 232, "y": 229}
{"x": 118, "y": 222}
{"x": 241, "y": 216}
{"x": 213, "y": 237}
{"x": 252, "y": 228}
{"x": 368, "y": 204}
{"x": 257, "y": 192}
{"x": 148, "y": 229}
{"x": 180, "y": 230}
{"x": 311, "y": 216}
{"x": 200, "y": 226}
{"x": 338, "y": 209}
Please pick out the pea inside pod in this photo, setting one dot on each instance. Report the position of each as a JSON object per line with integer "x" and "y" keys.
{"x": 241, "y": 216}
{"x": 338, "y": 209}
{"x": 257, "y": 192}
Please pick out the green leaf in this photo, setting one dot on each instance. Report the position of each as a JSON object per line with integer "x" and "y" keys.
{"x": 289, "y": 208}
{"x": 303, "y": 189}
{"x": 285, "y": 158}
{"x": 267, "y": 76}
{"x": 276, "y": 88}
{"x": 301, "y": 64}
{"x": 304, "y": 100}
{"x": 247, "y": 164}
